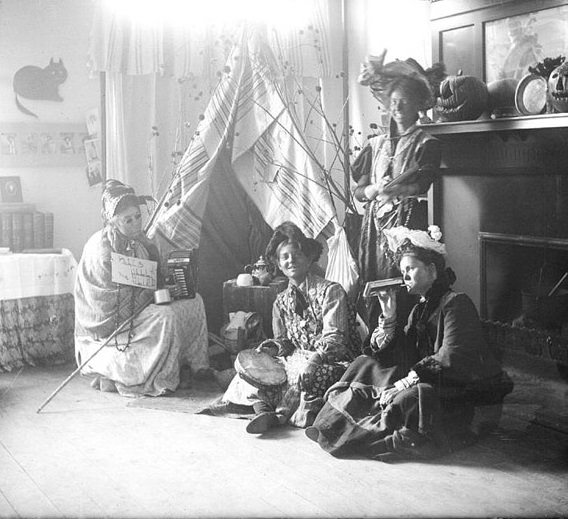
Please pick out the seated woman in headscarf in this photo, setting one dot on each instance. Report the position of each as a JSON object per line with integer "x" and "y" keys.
{"x": 147, "y": 356}
{"x": 312, "y": 338}
{"x": 414, "y": 397}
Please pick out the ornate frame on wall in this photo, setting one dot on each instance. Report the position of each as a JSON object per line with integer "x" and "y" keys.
{"x": 42, "y": 145}
{"x": 514, "y": 43}
{"x": 460, "y": 24}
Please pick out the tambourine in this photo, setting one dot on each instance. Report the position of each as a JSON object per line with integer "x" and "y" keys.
{"x": 260, "y": 369}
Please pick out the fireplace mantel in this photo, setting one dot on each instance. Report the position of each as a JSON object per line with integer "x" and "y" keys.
{"x": 513, "y": 146}
{"x": 532, "y": 122}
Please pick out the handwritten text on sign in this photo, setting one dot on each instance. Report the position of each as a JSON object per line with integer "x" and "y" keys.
{"x": 135, "y": 272}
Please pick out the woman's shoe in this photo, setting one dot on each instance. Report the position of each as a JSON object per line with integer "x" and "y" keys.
{"x": 108, "y": 385}
{"x": 312, "y": 433}
{"x": 104, "y": 384}
{"x": 262, "y": 422}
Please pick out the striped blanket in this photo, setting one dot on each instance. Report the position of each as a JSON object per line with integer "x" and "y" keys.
{"x": 247, "y": 121}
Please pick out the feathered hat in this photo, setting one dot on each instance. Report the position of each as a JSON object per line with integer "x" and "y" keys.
{"x": 378, "y": 76}
{"x": 430, "y": 239}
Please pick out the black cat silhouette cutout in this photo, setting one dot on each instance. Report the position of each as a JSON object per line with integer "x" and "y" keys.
{"x": 33, "y": 82}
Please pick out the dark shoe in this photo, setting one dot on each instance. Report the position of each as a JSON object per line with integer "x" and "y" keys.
{"x": 262, "y": 422}
{"x": 313, "y": 433}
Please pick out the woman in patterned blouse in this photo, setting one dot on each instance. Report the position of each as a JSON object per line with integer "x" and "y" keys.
{"x": 314, "y": 336}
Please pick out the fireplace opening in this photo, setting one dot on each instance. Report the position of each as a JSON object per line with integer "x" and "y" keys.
{"x": 524, "y": 293}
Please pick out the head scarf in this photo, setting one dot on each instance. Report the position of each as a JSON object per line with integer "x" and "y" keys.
{"x": 115, "y": 193}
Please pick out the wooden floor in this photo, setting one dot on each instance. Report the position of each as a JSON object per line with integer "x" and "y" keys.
{"x": 88, "y": 454}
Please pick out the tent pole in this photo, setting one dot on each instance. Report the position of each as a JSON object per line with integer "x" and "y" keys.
{"x": 345, "y": 65}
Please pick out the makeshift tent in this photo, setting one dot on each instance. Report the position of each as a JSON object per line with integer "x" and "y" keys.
{"x": 246, "y": 169}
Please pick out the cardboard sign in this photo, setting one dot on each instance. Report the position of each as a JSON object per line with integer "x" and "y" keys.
{"x": 135, "y": 272}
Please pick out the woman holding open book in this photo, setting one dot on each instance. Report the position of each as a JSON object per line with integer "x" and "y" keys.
{"x": 392, "y": 170}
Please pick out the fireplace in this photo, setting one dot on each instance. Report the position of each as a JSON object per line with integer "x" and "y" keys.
{"x": 524, "y": 293}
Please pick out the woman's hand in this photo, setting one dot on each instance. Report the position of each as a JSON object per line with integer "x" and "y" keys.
{"x": 305, "y": 377}
{"x": 371, "y": 191}
{"x": 268, "y": 346}
{"x": 402, "y": 190}
{"x": 387, "y": 300}
{"x": 388, "y": 395}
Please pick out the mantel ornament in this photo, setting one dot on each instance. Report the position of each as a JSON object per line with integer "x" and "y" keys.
{"x": 461, "y": 98}
{"x": 558, "y": 88}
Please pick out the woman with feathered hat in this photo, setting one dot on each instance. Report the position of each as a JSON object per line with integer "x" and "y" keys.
{"x": 397, "y": 166}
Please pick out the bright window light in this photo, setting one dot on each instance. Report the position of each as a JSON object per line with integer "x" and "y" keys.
{"x": 280, "y": 13}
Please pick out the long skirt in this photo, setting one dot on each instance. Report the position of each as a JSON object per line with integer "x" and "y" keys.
{"x": 352, "y": 421}
{"x": 163, "y": 338}
{"x": 294, "y": 404}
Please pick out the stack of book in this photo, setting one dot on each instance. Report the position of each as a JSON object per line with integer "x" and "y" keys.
{"x": 22, "y": 227}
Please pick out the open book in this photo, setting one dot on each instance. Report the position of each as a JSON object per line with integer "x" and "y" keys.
{"x": 372, "y": 288}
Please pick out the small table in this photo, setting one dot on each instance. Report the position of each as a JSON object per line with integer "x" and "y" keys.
{"x": 36, "y": 309}
{"x": 255, "y": 298}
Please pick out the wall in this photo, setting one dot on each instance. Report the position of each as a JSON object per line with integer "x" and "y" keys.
{"x": 31, "y": 33}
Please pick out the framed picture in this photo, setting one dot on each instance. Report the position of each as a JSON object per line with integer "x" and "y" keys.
{"x": 94, "y": 164}
{"x": 515, "y": 43}
{"x": 10, "y": 190}
{"x": 497, "y": 39}
{"x": 42, "y": 144}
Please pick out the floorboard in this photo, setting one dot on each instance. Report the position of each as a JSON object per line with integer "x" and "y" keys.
{"x": 88, "y": 454}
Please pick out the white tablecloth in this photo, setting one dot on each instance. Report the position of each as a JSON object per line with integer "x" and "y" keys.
{"x": 31, "y": 275}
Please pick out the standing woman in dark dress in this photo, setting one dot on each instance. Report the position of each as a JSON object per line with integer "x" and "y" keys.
{"x": 405, "y": 149}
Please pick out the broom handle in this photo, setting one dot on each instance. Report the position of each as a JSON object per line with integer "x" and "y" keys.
{"x": 104, "y": 344}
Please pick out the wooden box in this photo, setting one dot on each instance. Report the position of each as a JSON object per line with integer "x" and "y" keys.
{"x": 252, "y": 299}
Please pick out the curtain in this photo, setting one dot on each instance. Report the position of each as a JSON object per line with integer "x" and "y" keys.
{"x": 160, "y": 77}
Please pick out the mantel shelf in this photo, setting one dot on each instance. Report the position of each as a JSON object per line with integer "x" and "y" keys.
{"x": 529, "y": 122}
